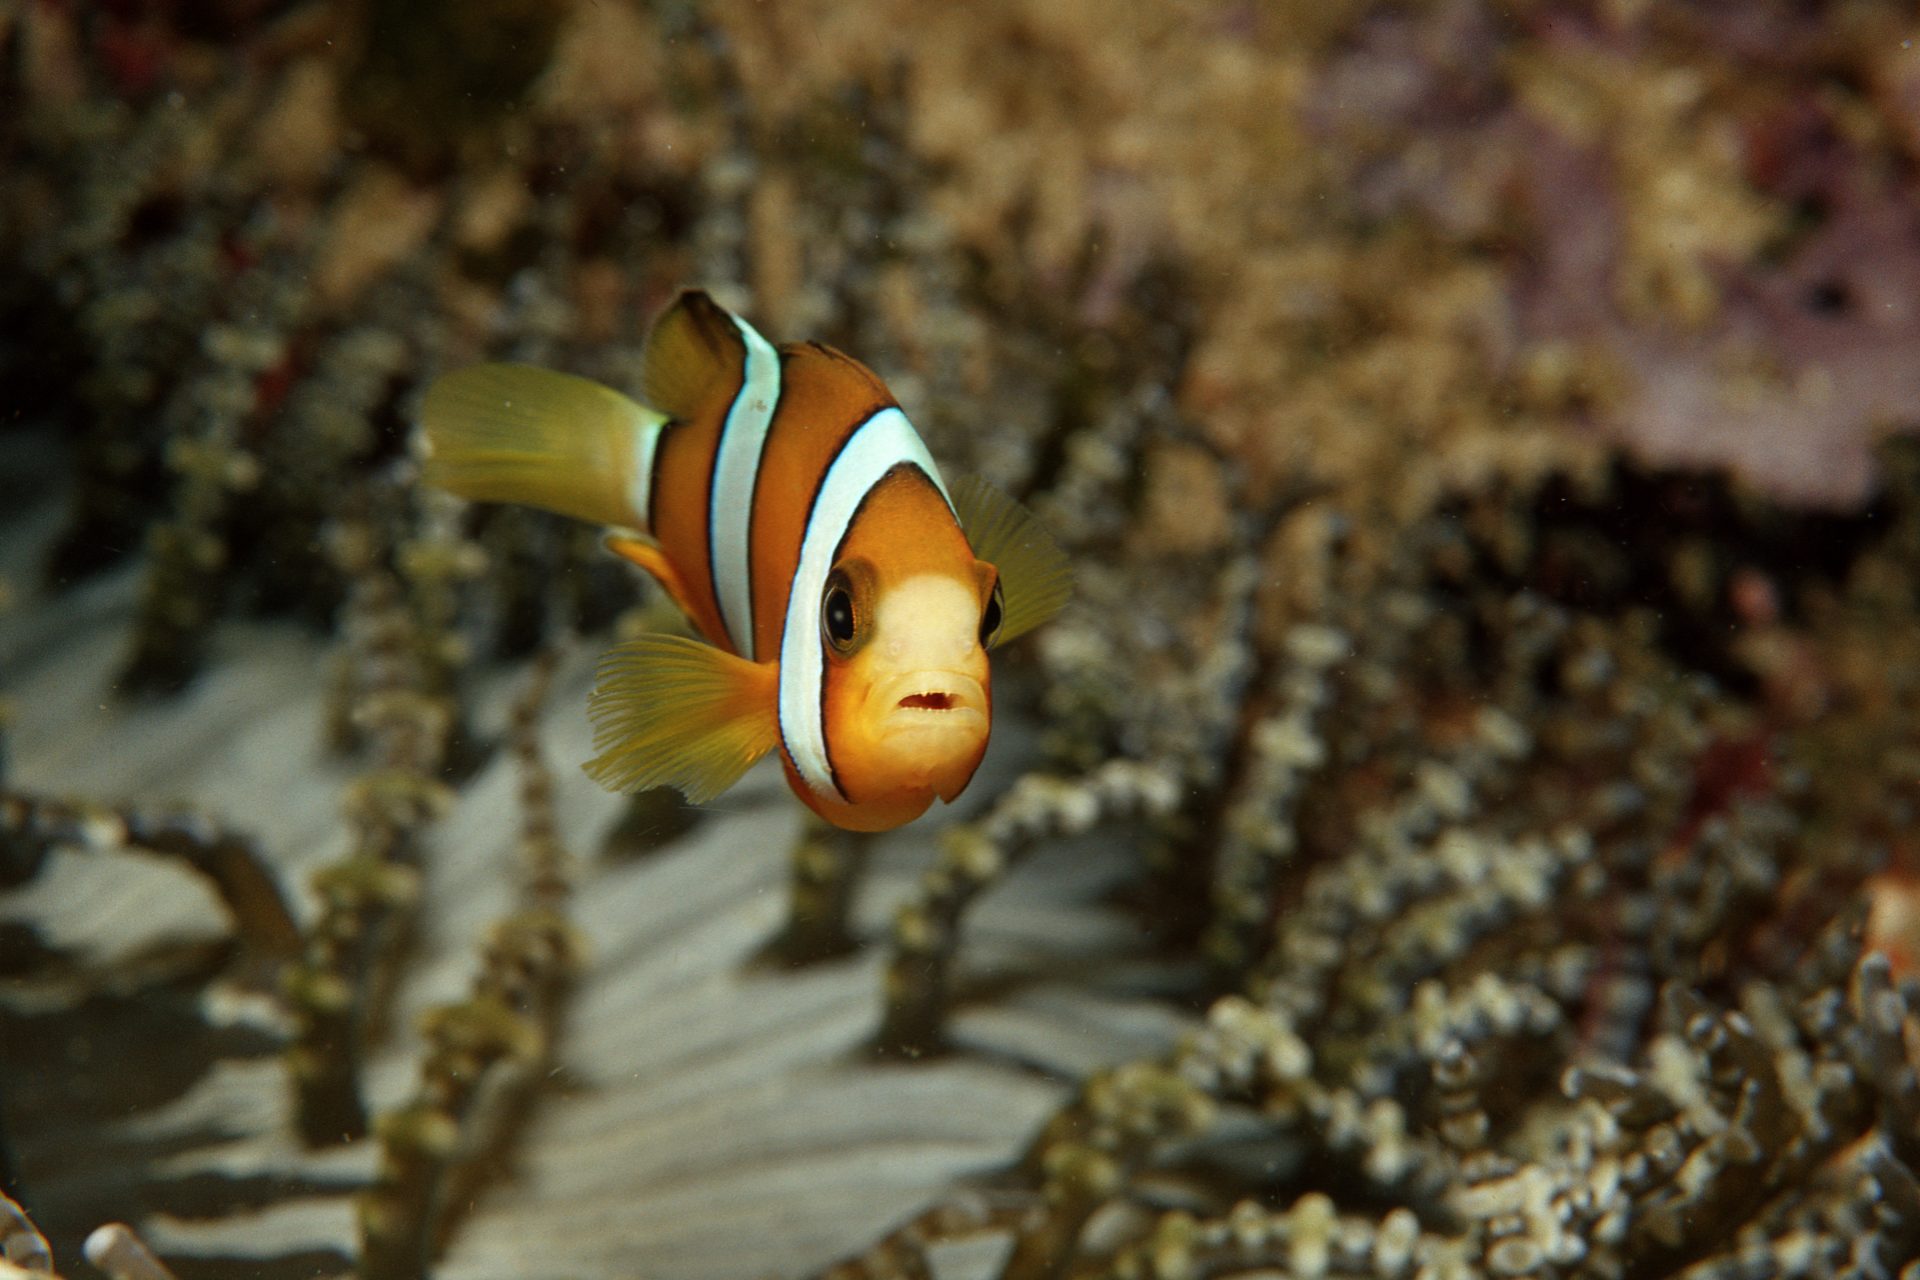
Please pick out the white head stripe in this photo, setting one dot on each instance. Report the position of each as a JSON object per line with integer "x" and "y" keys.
{"x": 730, "y": 501}
{"x": 646, "y": 439}
{"x": 881, "y": 443}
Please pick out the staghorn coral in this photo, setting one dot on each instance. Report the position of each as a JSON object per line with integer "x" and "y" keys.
{"x": 1439, "y": 848}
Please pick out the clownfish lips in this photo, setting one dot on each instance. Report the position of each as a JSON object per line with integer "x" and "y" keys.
{"x": 930, "y": 727}
{"x": 934, "y": 703}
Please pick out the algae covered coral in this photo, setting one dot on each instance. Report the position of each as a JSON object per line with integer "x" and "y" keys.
{"x": 1441, "y": 843}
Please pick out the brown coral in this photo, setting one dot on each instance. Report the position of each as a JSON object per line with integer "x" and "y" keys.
{"x": 1432, "y": 845}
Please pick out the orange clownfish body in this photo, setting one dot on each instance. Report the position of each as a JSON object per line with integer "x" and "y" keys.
{"x": 789, "y": 508}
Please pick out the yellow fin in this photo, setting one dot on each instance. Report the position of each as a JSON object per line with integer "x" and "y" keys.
{"x": 670, "y": 711}
{"x": 650, "y": 557}
{"x": 693, "y": 346}
{"x": 514, "y": 433}
{"x": 1035, "y": 578}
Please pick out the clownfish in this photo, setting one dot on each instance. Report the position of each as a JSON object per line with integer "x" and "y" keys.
{"x": 783, "y": 501}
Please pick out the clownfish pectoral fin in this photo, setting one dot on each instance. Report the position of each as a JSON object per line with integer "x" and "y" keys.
{"x": 513, "y": 433}
{"x": 650, "y": 557}
{"x": 693, "y": 346}
{"x": 1035, "y": 578}
{"x": 670, "y": 711}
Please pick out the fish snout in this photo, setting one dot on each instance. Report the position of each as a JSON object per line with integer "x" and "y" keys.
{"x": 910, "y": 697}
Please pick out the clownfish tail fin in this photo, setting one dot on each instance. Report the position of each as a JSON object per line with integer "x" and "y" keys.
{"x": 1035, "y": 576}
{"x": 670, "y": 711}
{"x": 513, "y": 433}
{"x": 694, "y": 349}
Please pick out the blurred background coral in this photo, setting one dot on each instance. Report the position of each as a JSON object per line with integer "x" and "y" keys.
{"x": 1462, "y": 827}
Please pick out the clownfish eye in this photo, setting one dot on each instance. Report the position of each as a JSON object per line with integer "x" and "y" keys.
{"x": 991, "y": 616}
{"x": 837, "y": 620}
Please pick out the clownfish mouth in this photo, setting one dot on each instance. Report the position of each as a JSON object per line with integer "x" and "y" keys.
{"x": 925, "y": 730}
{"x": 917, "y": 700}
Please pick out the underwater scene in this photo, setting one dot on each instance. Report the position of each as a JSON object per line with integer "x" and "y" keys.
{"x": 898, "y": 640}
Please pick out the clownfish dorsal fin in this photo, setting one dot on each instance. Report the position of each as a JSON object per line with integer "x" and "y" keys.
{"x": 671, "y": 711}
{"x": 1035, "y": 577}
{"x": 693, "y": 347}
{"x": 843, "y": 364}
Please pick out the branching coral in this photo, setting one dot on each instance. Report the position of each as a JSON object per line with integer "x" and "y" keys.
{"x": 338, "y": 985}
{"x": 210, "y": 468}
{"x": 827, "y": 866}
{"x": 1503, "y": 890}
{"x": 508, "y": 1024}
{"x": 31, "y": 827}
{"x": 972, "y": 856}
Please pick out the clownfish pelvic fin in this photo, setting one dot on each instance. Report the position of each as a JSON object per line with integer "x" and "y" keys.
{"x": 514, "y": 433}
{"x": 672, "y": 711}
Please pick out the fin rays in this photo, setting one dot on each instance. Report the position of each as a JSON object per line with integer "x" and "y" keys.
{"x": 690, "y": 348}
{"x": 671, "y": 711}
{"x": 1035, "y": 576}
{"x": 514, "y": 433}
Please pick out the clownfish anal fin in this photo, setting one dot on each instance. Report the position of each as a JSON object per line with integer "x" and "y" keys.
{"x": 692, "y": 346}
{"x": 650, "y": 557}
{"x": 670, "y": 711}
{"x": 1035, "y": 577}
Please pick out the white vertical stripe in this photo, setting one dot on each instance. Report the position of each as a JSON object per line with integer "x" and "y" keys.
{"x": 881, "y": 443}
{"x": 646, "y": 440}
{"x": 730, "y": 504}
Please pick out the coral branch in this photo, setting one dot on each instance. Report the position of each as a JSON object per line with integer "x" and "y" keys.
{"x": 31, "y": 826}
{"x": 116, "y": 1250}
{"x": 508, "y": 1024}
{"x": 827, "y": 862}
{"x": 21, "y": 1243}
{"x": 335, "y": 990}
{"x": 974, "y": 856}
